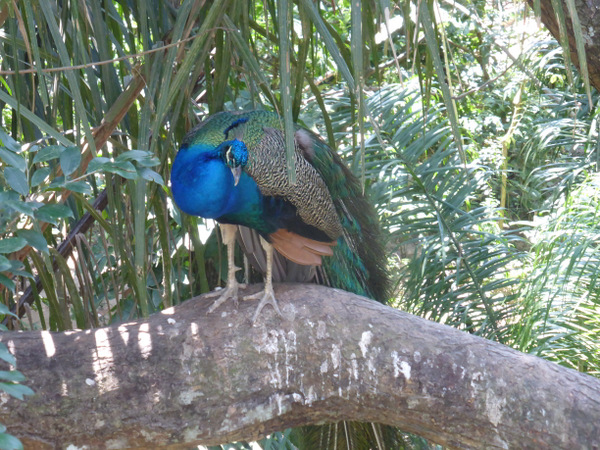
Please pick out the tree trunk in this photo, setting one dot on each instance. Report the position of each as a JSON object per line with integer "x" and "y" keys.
{"x": 588, "y": 12}
{"x": 183, "y": 378}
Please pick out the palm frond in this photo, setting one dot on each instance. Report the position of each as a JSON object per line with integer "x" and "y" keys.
{"x": 457, "y": 269}
{"x": 562, "y": 290}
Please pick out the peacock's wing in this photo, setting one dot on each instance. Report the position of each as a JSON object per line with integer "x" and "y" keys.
{"x": 309, "y": 194}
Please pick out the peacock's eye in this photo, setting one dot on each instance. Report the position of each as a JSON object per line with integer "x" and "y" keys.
{"x": 230, "y": 158}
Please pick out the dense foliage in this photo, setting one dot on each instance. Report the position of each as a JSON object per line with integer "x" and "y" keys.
{"x": 472, "y": 135}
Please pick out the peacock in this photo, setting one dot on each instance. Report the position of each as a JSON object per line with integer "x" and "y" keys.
{"x": 232, "y": 168}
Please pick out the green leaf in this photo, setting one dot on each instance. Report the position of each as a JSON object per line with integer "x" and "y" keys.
{"x": 16, "y": 264}
{"x": 35, "y": 239}
{"x": 5, "y": 355}
{"x": 17, "y": 271}
{"x": 151, "y": 175}
{"x": 12, "y": 244}
{"x": 16, "y": 180}
{"x": 16, "y": 390}
{"x": 580, "y": 45}
{"x": 242, "y": 48}
{"x": 9, "y": 442}
{"x": 209, "y": 22}
{"x": 4, "y": 263}
{"x": 79, "y": 186}
{"x": 313, "y": 12}
{"x": 7, "y": 196}
{"x": 15, "y": 160}
{"x": 12, "y": 375}
{"x": 60, "y": 45}
{"x": 10, "y": 284}
{"x": 37, "y": 121}
{"x": 40, "y": 175}
{"x": 27, "y": 208}
{"x": 134, "y": 155}
{"x": 8, "y": 142}
{"x": 284, "y": 10}
{"x": 6, "y": 311}
{"x": 48, "y": 153}
{"x": 433, "y": 47}
{"x": 53, "y": 213}
{"x": 563, "y": 37}
{"x": 149, "y": 162}
{"x": 125, "y": 169}
{"x": 75, "y": 298}
{"x": 97, "y": 163}
{"x": 70, "y": 159}
{"x": 58, "y": 184}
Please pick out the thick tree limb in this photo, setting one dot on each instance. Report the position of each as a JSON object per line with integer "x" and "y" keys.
{"x": 184, "y": 377}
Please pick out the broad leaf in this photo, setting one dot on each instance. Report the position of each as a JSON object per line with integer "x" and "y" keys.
{"x": 4, "y": 263}
{"x": 40, "y": 175}
{"x": 53, "y": 213}
{"x": 13, "y": 159}
{"x": 12, "y": 375}
{"x": 9, "y": 442}
{"x": 16, "y": 390}
{"x": 48, "y": 153}
{"x": 17, "y": 180}
{"x": 5, "y": 355}
{"x": 13, "y": 244}
{"x": 35, "y": 239}
{"x": 7, "y": 282}
{"x": 70, "y": 159}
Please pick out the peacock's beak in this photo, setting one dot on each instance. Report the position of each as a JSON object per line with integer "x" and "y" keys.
{"x": 237, "y": 173}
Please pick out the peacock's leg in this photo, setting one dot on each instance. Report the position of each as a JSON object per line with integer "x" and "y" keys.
{"x": 267, "y": 296}
{"x": 228, "y": 233}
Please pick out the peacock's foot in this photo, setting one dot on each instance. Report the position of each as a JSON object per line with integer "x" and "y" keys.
{"x": 267, "y": 297}
{"x": 230, "y": 291}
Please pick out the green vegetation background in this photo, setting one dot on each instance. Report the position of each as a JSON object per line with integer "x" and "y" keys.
{"x": 474, "y": 138}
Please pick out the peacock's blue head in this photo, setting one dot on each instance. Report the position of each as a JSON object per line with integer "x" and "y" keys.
{"x": 235, "y": 155}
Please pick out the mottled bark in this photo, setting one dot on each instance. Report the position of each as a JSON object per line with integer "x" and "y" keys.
{"x": 588, "y": 12}
{"x": 182, "y": 377}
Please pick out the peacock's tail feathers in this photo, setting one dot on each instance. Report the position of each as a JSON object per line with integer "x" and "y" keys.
{"x": 358, "y": 263}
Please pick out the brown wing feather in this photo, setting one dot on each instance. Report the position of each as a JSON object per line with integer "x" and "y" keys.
{"x": 299, "y": 249}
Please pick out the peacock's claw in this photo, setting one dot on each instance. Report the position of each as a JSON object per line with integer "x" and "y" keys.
{"x": 228, "y": 233}
{"x": 230, "y": 291}
{"x": 267, "y": 297}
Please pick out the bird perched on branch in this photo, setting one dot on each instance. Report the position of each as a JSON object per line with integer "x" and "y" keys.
{"x": 232, "y": 168}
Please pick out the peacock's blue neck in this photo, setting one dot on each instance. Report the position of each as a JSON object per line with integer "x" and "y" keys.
{"x": 203, "y": 185}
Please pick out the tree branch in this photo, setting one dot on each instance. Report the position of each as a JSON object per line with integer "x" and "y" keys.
{"x": 182, "y": 377}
